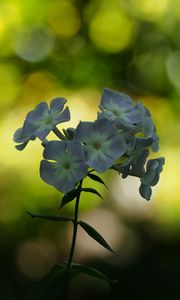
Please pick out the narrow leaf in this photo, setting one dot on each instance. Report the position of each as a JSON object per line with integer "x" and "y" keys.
{"x": 97, "y": 178}
{"x": 68, "y": 197}
{"x": 95, "y": 235}
{"x": 90, "y": 271}
{"x": 49, "y": 217}
{"x": 51, "y": 286}
{"x": 90, "y": 190}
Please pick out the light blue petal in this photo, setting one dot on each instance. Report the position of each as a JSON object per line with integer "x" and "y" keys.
{"x": 75, "y": 150}
{"x": 53, "y": 174}
{"x": 63, "y": 117}
{"x": 29, "y": 128}
{"x": 115, "y": 147}
{"x": 40, "y": 109}
{"x": 54, "y": 149}
{"x": 19, "y": 136}
{"x": 57, "y": 104}
{"x": 98, "y": 161}
{"x": 83, "y": 131}
{"x": 113, "y": 98}
{"x": 43, "y": 131}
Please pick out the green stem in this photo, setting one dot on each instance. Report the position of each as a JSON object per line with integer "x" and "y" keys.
{"x": 75, "y": 225}
{"x": 58, "y": 134}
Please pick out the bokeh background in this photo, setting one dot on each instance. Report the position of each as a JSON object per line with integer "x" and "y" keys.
{"x": 73, "y": 49}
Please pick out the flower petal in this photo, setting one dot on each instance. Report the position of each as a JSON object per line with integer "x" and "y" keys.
{"x": 54, "y": 149}
{"x": 83, "y": 130}
{"x": 19, "y": 136}
{"x": 37, "y": 113}
{"x": 75, "y": 150}
{"x": 51, "y": 173}
{"x": 63, "y": 117}
{"x": 98, "y": 160}
{"x": 114, "y": 147}
{"x": 111, "y": 100}
{"x": 20, "y": 147}
{"x": 57, "y": 104}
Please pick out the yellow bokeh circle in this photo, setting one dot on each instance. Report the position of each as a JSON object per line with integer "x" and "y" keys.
{"x": 111, "y": 30}
{"x": 63, "y": 17}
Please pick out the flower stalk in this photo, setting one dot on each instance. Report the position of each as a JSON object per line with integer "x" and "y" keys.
{"x": 75, "y": 225}
{"x": 58, "y": 134}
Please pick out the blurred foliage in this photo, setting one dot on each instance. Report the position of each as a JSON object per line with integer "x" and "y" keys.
{"x": 73, "y": 49}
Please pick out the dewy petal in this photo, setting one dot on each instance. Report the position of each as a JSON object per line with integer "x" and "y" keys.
{"x": 57, "y": 104}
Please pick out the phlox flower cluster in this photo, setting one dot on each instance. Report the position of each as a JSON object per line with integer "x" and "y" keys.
{"x": 120, "y": 139}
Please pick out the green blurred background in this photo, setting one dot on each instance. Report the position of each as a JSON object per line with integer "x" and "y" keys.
{"x": 73, "y": 49}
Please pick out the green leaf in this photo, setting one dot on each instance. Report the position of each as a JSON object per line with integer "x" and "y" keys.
{"x": 90, "y": 190}
{"x": 89, "y": 271}
{"x": 50, "y": 287}
{"x": 68, "y": 197}
{"x": 97, "y": 178}
{"x": 49, "y": 217}
{"x": 95, "y": 235}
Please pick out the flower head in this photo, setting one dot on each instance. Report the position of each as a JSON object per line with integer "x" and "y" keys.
{"x": 69, "y": 164}
{"x": 117, "y": 106}
{"x": 102, "y": 143}
{"x": 40, "y": 121}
